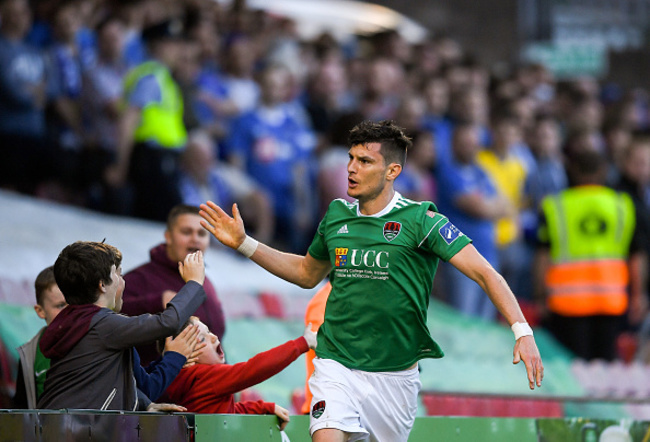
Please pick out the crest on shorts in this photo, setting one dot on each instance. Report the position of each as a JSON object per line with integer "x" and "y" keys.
{"x": 391, "y": 230}
{"x": 318, "y": 409}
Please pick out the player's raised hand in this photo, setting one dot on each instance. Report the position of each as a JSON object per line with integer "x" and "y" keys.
{"x": 526, "y": 350}
{"x": 228, "y": 230}
{"x": 193, "y": 268}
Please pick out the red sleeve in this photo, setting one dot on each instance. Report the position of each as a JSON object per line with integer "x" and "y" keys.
{"x": 230, "y": 379}
{"x": 255, "y": 407}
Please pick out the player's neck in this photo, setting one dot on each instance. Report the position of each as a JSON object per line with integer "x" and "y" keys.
{"x": 376, "y": 204}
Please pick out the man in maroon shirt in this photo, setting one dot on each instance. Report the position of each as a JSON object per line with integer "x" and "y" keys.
{"x": 209, "y": 385}
{"x": 150, "y": 286}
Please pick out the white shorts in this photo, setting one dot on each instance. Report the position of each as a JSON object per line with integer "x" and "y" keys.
{"x": 369, "y": 406}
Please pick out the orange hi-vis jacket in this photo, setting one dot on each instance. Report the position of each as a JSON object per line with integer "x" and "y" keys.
{"x": 589, "y": 229}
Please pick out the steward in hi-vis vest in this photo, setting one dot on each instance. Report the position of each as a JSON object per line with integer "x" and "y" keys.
{"x": 588, "y": 230}
{"x": 152, "y": 134}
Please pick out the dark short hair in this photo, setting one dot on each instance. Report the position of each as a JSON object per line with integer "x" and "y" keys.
{"x": 586, "y": 163}
{"x": 394, "y": 142}
{"x": 81, "y": 266}
{"x": 43, "y": 282}
{"x": 178, "y": 210}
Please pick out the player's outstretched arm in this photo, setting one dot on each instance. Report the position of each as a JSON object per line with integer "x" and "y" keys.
{"x": 304, "y": 271}
{"x": 476, "y": 267}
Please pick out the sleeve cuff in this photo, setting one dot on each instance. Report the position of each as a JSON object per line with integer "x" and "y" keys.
{"x": 302, "y": 345}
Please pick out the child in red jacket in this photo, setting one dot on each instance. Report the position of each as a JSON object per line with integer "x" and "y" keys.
{"x": 210, "y": 385}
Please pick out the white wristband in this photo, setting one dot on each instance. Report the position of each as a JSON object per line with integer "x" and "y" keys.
{"x": 248, "y": 247}
{"x": 521, "y": 329}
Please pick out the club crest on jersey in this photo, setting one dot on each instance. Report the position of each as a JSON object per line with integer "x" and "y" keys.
{"x": 341, "y": 256}
{"x": 318, "y": 409}
{"x": 391, "y": 230}
{"x": 450, "y": 232}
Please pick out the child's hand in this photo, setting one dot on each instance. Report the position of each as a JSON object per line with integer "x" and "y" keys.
{"x": 194, "y": 357}
{"x": 310, "y": 337}
{"x": 165, "y": 407}
{"x": 192, "y": 269}
{"x": 283, "y": 416}
{"x": 184, "y": 343}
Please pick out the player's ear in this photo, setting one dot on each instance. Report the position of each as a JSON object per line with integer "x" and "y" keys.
{"x": 393, "y": 171}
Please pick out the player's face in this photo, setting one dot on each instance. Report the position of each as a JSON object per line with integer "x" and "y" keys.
{"x": 53, "y": 303}
{"x": 367, "y": 171}
{"x": 212, "y": 353}
{"x": 186, "y": 236}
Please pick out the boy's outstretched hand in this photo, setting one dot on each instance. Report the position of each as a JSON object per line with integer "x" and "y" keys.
{"x": 283, "y": 416}
{"x": 186, "y": 343}
{"x": 193, "y": 268}
{"x": 310, "y": 337}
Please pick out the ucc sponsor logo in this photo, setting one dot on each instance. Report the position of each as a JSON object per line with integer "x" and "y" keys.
{"x": 358, "y": 257}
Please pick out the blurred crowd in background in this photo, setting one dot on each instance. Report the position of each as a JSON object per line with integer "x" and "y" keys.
{"x": 266, "y": 116}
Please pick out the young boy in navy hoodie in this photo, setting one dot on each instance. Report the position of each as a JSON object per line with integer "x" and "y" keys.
{"x": 90, "y": 346}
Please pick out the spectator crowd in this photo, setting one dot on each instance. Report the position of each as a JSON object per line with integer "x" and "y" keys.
{"x": 131, "y": 107}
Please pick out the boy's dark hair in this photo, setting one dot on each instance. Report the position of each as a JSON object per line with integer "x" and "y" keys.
{"x": 178, "y": 210}
{"x": 43, "y": 282}
{"x": 394, "y": 142}
{"x": 80, "y": 268}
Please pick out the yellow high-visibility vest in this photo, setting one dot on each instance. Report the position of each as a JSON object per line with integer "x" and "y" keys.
{"x": 589, "y": 229}
{"x": 161, "y": 122}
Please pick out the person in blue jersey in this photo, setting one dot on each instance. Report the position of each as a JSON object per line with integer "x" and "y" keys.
{"x": 275, "y": 144}
{"x": 381, "y": 253}
{"x": 467, "y": 195}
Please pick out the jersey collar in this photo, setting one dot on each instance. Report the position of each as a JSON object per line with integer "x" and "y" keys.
{"x": 385, "y": 210}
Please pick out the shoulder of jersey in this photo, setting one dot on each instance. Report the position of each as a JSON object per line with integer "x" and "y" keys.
{"x": 343, "y": 203}
{"x": 405, "y": 202}
{"x": 426, "y": 207}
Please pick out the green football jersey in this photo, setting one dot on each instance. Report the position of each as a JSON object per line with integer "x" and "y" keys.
{"x": 382, "y": 275}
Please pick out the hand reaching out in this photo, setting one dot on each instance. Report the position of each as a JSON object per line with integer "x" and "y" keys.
{"x": 193, "y": 268}
{"x": 228, "y": 230}
{"x": 283, "y": 416}
{"x": 184, "y": 343}
{"x": 310, "y": 337}
{"x": 194, "y": 356}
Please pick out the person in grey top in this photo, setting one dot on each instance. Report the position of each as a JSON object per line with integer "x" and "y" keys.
{"x": 90, "y": 346}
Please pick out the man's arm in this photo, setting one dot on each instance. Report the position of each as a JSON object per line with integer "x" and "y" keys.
{"x": 116, "y": 174}
{"x": 130, "y": 331}
{"x": 304, "y": 271}
{"x": 474, "y": 266}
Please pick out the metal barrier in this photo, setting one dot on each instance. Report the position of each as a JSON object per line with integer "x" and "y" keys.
{"x": 90, "y": 425}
